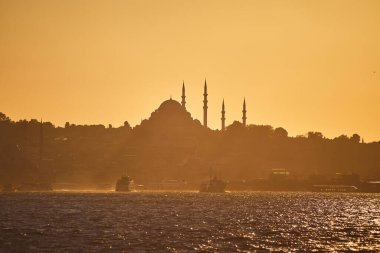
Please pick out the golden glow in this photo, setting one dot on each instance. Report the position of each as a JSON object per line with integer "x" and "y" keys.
{"x": 302, "y": 65}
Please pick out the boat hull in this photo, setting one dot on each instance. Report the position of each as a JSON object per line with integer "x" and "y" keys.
{"x": 214, "y": 186}
{"x": 123, "y": 184}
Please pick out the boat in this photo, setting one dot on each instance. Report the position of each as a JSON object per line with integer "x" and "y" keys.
{"x": 123, "y": 184}
{"x": 370, "y": 186}
{"x": 334, "y": 188}
{"x": 214, "y": 185}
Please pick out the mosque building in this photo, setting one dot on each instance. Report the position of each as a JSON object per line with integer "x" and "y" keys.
{"x": 178, "y": 109}
{"x": 205, "y": 107}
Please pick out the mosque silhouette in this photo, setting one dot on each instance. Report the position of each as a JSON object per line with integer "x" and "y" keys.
{"x": 173, "y": 105}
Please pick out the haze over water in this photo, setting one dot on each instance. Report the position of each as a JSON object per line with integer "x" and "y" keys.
{"x": 186, "y": 222}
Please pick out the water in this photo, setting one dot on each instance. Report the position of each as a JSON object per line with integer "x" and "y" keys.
{"x": 188, "y": 222}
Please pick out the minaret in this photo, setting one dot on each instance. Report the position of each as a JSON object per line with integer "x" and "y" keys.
{"x": 183, "y": 95}
{"x": 223, "y": 117}
{"x": 244, "y": 114}
{"x": 205, "y": 105}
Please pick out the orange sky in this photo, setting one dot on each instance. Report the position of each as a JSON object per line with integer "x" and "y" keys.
{"x": 302, "y": 65}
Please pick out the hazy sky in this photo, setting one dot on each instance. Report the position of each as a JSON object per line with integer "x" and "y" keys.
{"x": 302, "y": 65}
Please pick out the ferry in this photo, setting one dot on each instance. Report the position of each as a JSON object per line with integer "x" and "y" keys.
{"x": 214, "y": 185}
{"x": 123, "y": 184}
{"x": 335, "y": 188}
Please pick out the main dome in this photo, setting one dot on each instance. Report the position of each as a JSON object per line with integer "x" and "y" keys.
{"x": 170, "y": 104}
{"x": 170, "y": 109}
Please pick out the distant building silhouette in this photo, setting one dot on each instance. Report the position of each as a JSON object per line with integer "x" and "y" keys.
{"x": 205, "y": 105}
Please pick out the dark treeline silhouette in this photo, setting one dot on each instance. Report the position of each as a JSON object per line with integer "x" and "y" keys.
{"x": 172, "y": 145}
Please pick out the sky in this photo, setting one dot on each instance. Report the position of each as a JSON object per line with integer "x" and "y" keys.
{"x": 302, "y": 65}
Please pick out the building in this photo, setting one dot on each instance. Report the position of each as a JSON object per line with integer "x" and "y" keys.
{"x": 205, "y": 107}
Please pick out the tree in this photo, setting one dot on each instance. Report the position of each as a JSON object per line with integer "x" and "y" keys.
{"x": 126, "y": 125}
{"x": 342, "y": 138}
{"x": 315, "y": 135}
{"x": 261, "y": 131}
{"x": 4, "y": 117}
{"x": 235, "y": 126}
{"x": 355, "y": 138}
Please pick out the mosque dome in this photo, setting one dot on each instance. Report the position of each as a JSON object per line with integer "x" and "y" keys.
{"x": 169, "y": 105}
{"x": 170, "y": 110}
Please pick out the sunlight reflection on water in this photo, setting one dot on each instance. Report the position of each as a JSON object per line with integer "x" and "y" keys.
{"x": 157, "y": 221}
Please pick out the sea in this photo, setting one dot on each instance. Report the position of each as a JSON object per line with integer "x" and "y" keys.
{"x": 189, "y": 222}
